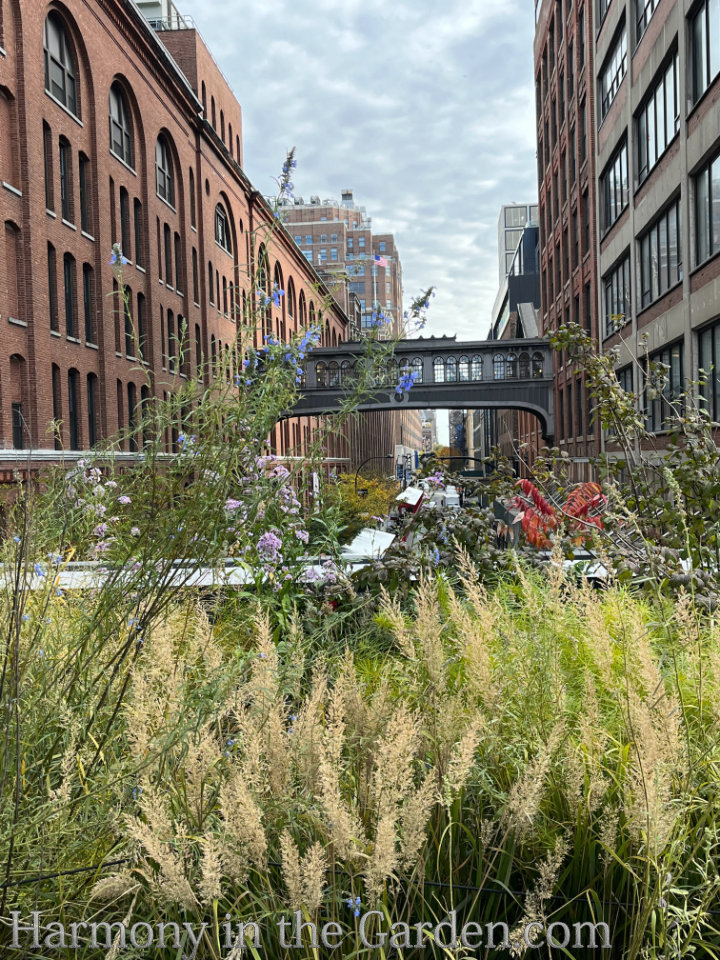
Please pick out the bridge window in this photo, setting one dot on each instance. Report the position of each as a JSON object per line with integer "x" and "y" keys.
{"x": 417, "y": 369}
{"x": 538, "y": 365}
{"x": 321, "y": 373}
{"x": 498, "y": 367}
{"x": 464, "y": 369}
{"x": 451, "y": 370}
{"x": 345, "y": 371}
{"x": 391, "y": 373}
{"x": 477, "y": 367}
{"x": 333, "y": 374}
{"x": 438, "y": 370}
{"x": 511, "y": 370}
{"x": 524, "y": 366}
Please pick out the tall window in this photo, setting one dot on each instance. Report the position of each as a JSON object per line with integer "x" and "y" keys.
{"x": 92, "y": 408}
{"x": 193, "y": 221}
{"x": 74, "y": 408}
{"x": 84, "y": 193}
{"x": 89, "y": 303}
{"x": 168, "y": 255}
{"x": 195, "y": 278}
{"x": 52, "y": 288}
{"x": 664, "y": 372}
{"x": 709, "y": 362}
{"x": 141, "y": 327}
{"x": 121, "y": 143}
{"x": 57, "y": 403}
{"x": 70, "y": 295}
{"x": 616, "y": 290}
{"x": 705, "y": 46}
{"x": 139, "y": 233}
{"x": 707, "y": 211}
{"x": 49, "y": 170}
{"x": 644, "y": 9}
{"x": 614, "y": 187}
{"x": 163, "y": 172}
{"x": 129, "y": 330}
{"x": 613, "y": 71}
{"x": 222, "y": 228}
{"x": 66, "y": 181}
{"x": 660, "y": 250}
{"x": 60, "y": 79}
{"x": 659, "y": 119}
{"x": 179, "y": 285}
{"x": 125, "y": 222}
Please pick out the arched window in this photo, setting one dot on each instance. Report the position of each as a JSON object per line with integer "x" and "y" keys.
{"x": 132, "y": 416}
{"x": 222, "y": 126}
{"x": 346, "y": 371}
{"x": 237, "y": 147}
{"x": 121, "y": 143}
{"x": 524, "y": 368}
{"x": 302, "y": 309}
{"x": 164, "y": 182}
{"x": 222, "y": 228}
{"x": 451, "y": 370}
{"x": 476, "y": 369}
{"x": 321, "y": 373}
{"x": 60, "y": 79}
{"x": 464, "y": 369}
{"x": 74, "y": 408}
{"x": 22, "y": 438}
{"x": 333, "y": 374}
{"x": 498, "y": 367}
{"x": 204, "y": 100}
{"x": 439, "y": 370}
{"x": 212, "y": 111}
{"x": 538, "y": 365}
{"x": 13, "y": 263}
{"x": 92, "y": 409}
{"x": 193, "y": 221}
{"x": 70, "y": 278}
{"x": 391, "y": 373}
{"x": 230, "y": 139}
{"x": 141, "y": 323}
{"x": 312, "y": 315}
{"x": 417, "y": 369}
{"x": 512, "y": 367}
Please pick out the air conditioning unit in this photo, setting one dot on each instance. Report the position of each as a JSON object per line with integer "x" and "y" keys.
{"x": 315, "y": 200}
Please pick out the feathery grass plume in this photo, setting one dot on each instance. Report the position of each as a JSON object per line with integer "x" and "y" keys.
{"x": 262, "y": 689}
{"x": 200, "y": 761}
{"x": 290, "y": 860}
{"x": 210, "y": 885}
{"x": 470, "y": 579}
{"x": 343, "y": 826}
{"x": 462, "y": 761}
{"x": 394, "y": 755}
{"x": 608, "y": 833}
{"x": 161, "y": 852}
{"x": 384, "y": 858}
{"x": 391, "y": 616}
{"x": 314, "y": 871}
{"x": 414, "y": 816}
{"x": 593, "y": 612}
{"x": 652, "y": 804}
{"x": 203, "y": 647}
{"x": 538, "y": 897}
{"x": 308, "y": 728}
{"x": 428, "y": 626}
{"x": 523, "y": 803}
{"x": 245, "y": 842}
{"x": 114, "y": 887}
{"x": 474, "y": 630}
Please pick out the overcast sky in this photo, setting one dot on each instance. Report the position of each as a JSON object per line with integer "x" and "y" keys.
{"x": 424, "y": 109}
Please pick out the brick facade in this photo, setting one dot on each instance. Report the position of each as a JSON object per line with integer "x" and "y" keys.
{"x": 68, "y": 192}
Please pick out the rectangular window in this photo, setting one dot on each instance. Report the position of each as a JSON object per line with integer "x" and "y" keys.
{"x": 298, "y": 240}
{"x": 604, "y": 6}
{"x": 308, "y": 255}
{"x": 350, "y": 243}
{"x": 659, "y": 119}
{"x": 660, "y": 254}
{"x": 582, "y": 126}
{"x": 323, "y": 238}
{"x": 644, "y": 9}
{"x": 588, "y": 308}
{"x": 361, "y": 242}
{"x": 323, "y": 256}
{"x": 334, "y": 253}
{"x": 196, "y": 295}
{"x": 179, "y": 285}
{"x": 70, "y": 296}
{"x": 52, "y": 288}
{"x": 125, "y": 241}
{"x": 709, "y": 363}
{"x": 49, "y": 171}
{"x": 168, "y": 256}
{"x": 581, "y": 37}
{"x": 17, "y": 426}
{"x": 612, "y": 72}
{"x": 614, "y": 187}
{"x": 66, "y": 192}
{"x": 89, "y": 303}
{"x": 665, "y": 374}
{"x": 382, "y": 246}
{"x": 84, "y": 193}
{"x": 707, "y": 211}
{"x": 308, "y": 238}
{"x": 139, "y": 233}
{"x": 705, "y": 40}
{"x": 616, "y": 296}
{"x": 333, "y": 238}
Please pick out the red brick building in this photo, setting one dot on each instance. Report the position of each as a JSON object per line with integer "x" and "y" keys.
{"x": 112, "y": 131}
{"x": 565, "y": 101}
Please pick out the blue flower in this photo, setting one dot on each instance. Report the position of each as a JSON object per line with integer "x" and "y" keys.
{"x": 436, "y": 555}
{"x": 354, "y": 905}
{"x": 16, "y": 539}
{"x": 248, "y": 383}
{"x": 117, "y": 258}
{"x": 39, "y": 572}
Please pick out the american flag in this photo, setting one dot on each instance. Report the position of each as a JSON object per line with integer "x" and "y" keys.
{"x": 380, "y": 261}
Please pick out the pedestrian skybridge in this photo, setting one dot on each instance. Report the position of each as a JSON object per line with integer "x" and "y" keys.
{"x": 489, "y": 374}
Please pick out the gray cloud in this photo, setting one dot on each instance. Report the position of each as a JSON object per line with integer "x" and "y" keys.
{"x": 425, "y": 110}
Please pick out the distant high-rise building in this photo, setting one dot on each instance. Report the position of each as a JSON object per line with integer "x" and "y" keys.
{"x": 512, "y": 220}
{"x": 337, "y": 238}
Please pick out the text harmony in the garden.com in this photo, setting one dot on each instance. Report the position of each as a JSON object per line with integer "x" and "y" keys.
{"x": 370, "y": 931}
